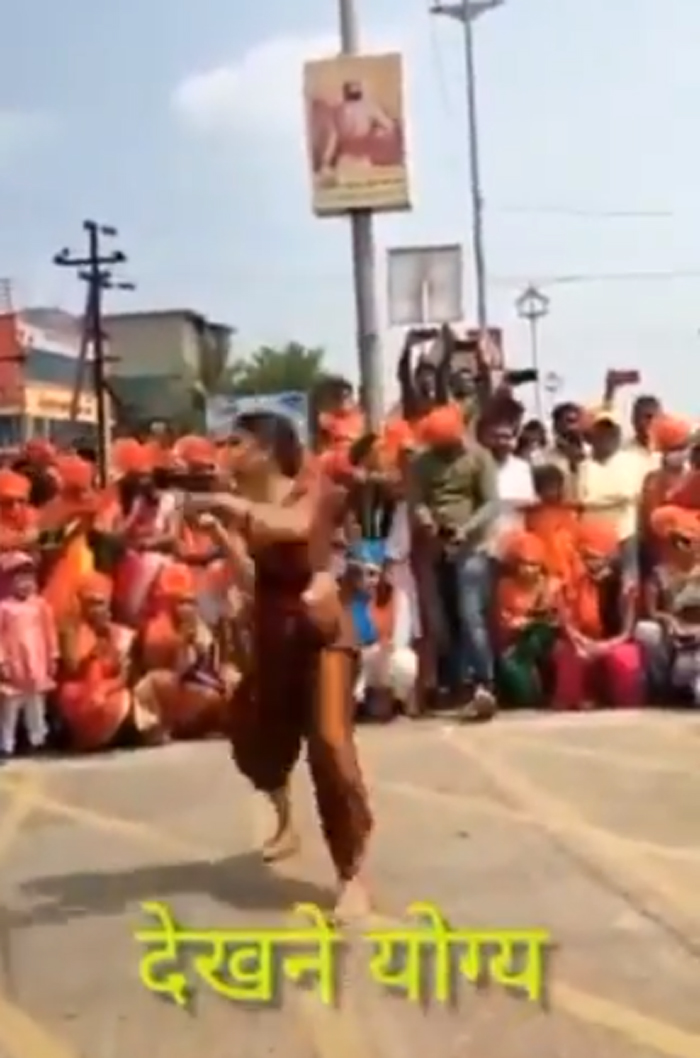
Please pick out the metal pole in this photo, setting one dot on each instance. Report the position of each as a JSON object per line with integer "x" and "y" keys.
{"x": 98, "y": 360}
{"x": 93, "y": 268}
{"x": 363, "y": 265}
{"x": 533, "y": 306}
{"x": 535, "y": 361}
{"x": 475, "y": 171}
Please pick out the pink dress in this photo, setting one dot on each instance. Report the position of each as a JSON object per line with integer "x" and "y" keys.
{"x": 28, "y": 646}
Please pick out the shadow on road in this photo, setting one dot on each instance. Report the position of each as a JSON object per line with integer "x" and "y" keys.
{"x": 241, "y": 881}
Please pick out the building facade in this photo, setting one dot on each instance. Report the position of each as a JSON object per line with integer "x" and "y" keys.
{"x": 159, "y": 367}
{"x": 39, "y": 351}
{"x": 159, "y": 360}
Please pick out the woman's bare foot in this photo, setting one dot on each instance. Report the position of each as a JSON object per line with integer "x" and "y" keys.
{"x": 285, "y": 841}
{"x": 353, "y": 901}
{"x": 281, "y": 846}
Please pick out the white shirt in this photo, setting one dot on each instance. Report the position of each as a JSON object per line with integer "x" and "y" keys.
{"x": 515, "y": 486}
{"x": 618, "y": 478}
{"x": 398, "y": 550}
{"x": 642, "y": 461}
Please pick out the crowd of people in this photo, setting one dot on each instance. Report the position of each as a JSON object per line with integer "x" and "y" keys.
{"x": 477, "y": 562}
{"x": 251, "y": 588}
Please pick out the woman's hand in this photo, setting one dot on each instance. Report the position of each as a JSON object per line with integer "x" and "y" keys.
{"x": 322, "y": 603}
{"x": 234, "y": 508}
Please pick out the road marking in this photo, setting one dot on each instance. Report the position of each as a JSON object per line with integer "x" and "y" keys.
{"x": 565, "y": 823}
{"x": 24, "y": 796}
{"x": 129, "y": 828}
{"x": 660, "y": 1036}
{"x": 607, "y": 755}
{"x": 335, "y": 1033}
{"x": 20, "y": 1035}
{"x": 462, "y": 802}
{"x": 23, "y": 1037}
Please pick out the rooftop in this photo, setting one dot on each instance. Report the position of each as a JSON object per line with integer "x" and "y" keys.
{"x": 197, "y": 319}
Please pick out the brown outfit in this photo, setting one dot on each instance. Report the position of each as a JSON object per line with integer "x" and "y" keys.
{"x": 300, "y": 688}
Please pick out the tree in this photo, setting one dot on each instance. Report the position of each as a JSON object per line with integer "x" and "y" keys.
{"x": 292, "y": 368}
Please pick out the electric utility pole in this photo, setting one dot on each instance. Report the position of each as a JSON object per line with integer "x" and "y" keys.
{"x": 466, "y": 12}
{"x": 363, "y": 264}
{"x": 94, "y": 268}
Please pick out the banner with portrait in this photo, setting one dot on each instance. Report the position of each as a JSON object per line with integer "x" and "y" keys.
{"x": 356, "y": 135}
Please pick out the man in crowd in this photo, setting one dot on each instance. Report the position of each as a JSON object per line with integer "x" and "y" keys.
{"x": 454, "y": 485}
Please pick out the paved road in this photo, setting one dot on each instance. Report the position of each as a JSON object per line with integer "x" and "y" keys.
{"x": 589, "y": 826}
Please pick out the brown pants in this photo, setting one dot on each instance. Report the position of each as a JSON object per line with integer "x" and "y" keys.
{"x": 299, "y": 695}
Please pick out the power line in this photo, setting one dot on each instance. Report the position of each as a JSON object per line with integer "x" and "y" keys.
{"x": 584, "y": 213}
{"x": 598, "y": 277}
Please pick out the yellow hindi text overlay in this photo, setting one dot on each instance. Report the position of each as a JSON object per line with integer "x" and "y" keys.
{"x": 423, "y": 961}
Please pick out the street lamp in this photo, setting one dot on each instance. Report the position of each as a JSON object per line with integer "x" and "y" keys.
{"x": 533, "y": 306}
{"x": 466, "y": 12}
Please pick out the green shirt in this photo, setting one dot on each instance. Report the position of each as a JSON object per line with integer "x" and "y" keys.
{"x": 453, "y": 487}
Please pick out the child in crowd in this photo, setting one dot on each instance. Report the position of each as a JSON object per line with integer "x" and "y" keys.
{"x": 388, "y": 664}
{"x": 28, "y": 655}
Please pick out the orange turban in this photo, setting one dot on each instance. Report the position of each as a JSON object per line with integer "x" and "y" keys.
{"x": 41, "y": 453}
{"x": 669, "y": 433}
{"x": 158, "y": 454}
{"x": 196, "y": 451}
{"x": 441, "y": 427}
{"x": 524, "y": 547}
{"x": 396, "y": 437}
{"x": 129, "y": 456}
{"x": 14, "y": 486}
{"x": 597, "y": 538}
{"x": 95, "y": 586}
{"x": 176, "y": 582}
{"x": 335, "y": 463}
{"x": 342, "y": 427}
{"x": 669, "y": 520}
{"x": 14, "y": 561}
{"x": 74, "y": 473}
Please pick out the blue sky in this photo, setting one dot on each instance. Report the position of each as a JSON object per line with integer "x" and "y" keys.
{"x": 190, "y": 141}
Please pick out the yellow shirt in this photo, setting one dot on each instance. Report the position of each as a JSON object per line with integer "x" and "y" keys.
{"x": 610, "y": 491}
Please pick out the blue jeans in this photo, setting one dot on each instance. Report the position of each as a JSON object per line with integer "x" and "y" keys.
{"x": 629, "y": 559}
{"x": 475, "y": 582}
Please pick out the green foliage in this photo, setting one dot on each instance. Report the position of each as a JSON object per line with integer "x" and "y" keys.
{"x": 293, "y": 367}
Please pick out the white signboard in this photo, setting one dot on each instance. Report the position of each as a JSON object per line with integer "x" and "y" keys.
{"x": 222, "y": 411}
{"x": 425, "y": 285}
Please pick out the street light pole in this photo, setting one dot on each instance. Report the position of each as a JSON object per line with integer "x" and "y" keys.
{"x": 93, "y": 268}
{"x": 363, "y": 265}
{"x": 533, "y": 306}
{"x": 466, "y": 12}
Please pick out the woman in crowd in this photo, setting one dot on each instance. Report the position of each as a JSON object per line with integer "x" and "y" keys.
{"x": 18, "y": 518}
{"x": 184, "y": 685}
{"x": 672, "y": 438}
{"x": 555, "y": 523}
{"x": 144, "y": 523}
{"x": 65, "y": 524}
{"x": 596, "y": 661}
{"x": 668, "y": 631}
{"x": 528, "y": 620}
{"x": 95, "y": 702}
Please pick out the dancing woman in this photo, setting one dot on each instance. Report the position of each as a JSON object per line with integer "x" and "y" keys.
{"x": 299, "y": 689}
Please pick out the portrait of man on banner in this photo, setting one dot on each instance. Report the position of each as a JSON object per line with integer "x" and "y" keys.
{"x": 355, "y": 130}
